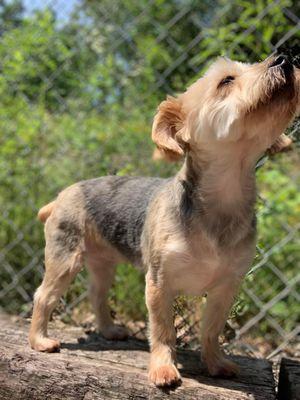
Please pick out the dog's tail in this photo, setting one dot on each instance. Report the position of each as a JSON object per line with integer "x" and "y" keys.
{"x": 46, "y": 211}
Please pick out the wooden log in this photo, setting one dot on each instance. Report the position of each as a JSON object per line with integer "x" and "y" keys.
{"x": 91, "y": 367}
{"x": 289, "y": 380}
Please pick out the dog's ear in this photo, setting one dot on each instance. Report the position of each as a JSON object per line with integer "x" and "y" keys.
{"x": 282, "y": 143}
{"x": 168, "y": 130}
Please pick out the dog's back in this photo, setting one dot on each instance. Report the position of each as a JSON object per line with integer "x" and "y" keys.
{"x": 117, "y": 205}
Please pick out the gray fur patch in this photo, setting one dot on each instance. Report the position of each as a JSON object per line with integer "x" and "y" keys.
{"x": 68, "y": 235}
{"x": 118, "y": 206}
{"x": 190, "y": 205}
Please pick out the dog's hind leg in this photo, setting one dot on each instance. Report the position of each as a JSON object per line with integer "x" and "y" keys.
{"x": 102, "y": 273}
{"x": 63, "y": 260}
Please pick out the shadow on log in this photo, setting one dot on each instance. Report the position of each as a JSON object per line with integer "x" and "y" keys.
{"x": 90, "y": 367}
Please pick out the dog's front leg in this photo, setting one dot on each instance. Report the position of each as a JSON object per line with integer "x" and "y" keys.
{"x": 162, "y": 369}
{"x": 219, "y": 302}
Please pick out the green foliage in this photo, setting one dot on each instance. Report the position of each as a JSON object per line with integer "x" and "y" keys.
{"x": 245, "y": 30}
{"x": 10, "y": 15}
{"x": 128, "y": 293}
{"x": 278, "y": 223}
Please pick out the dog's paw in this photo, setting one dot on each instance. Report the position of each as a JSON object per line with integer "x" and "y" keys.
{"x": 165, "y": 375}
{"x": 46, "y": 345}
{"x": 115, "y": 332}
{"x": 223, "y": 368}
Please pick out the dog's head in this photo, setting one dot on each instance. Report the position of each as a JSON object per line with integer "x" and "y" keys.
{"x": 232, "y": 103}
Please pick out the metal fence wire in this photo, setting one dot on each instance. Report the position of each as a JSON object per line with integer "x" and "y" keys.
{"x": 76, "y": 77}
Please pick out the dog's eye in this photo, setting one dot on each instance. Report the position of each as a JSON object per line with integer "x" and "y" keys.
{"x": 226, "y": 80}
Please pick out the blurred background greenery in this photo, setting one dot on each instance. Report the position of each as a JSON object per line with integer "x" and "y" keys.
{"x": 78, "y": 91}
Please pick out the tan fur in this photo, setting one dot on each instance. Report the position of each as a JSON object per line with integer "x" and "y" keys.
{"x": 206, "y": 248}
{"x": 281, "y": 144}
{"x": 46, "y": 211}
{"x": 167, "y": 129}
{"x": 159, "y": 302}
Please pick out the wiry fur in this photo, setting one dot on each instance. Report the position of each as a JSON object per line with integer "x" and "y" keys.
{"x": 194, "y": 233}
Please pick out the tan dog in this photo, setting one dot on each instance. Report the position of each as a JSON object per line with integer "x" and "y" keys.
{"x": 193, "y": 233}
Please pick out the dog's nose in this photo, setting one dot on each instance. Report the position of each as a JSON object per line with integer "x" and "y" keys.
{"x": 279, "y": 61}
{"x": 282, "y": 62}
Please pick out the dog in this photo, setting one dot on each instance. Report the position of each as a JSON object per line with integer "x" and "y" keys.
{"x": 194, "y": 233}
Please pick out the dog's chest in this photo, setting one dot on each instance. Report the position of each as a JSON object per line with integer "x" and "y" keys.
{"x": 194, "y": 267}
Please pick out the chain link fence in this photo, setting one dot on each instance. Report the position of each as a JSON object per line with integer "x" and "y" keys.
{"x": 79, "y": 84}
